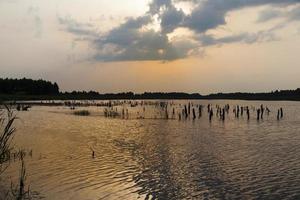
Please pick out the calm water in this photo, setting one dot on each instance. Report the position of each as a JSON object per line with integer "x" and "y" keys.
{"x": 160, "y": 159}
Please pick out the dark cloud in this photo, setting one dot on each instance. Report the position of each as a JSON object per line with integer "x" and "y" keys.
{"x": 171, "y": 19}
{"x": 211, "y": 13}
{"x": 131, "y": 41}
{"x": 156, "y": 5}
{"x": 205, "y": 17}
{"x": 127, "y": 33}
{"x": 149, "y": 45}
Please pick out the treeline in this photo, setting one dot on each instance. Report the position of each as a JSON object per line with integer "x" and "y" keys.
{"x": 293, "y": 95}
{"x": 129, "y": 95}
{"x": 27, "y": 87}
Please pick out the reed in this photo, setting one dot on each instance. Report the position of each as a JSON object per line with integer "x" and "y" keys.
{"x": 82, "y": 113}
{"x": 7, "y": 119}
{"x": 111, "y": 113}
{"x": 20, "y": 191}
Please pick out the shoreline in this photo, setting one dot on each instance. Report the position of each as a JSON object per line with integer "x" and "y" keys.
{"x": 42, "y": 99}
{"x": 89, "y": 102}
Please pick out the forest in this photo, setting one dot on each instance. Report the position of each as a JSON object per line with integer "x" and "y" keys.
{"x": 28, "y": 89}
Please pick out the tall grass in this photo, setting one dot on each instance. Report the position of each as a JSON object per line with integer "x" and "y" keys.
{"x": 7, "y": 119}
{"x": 19, "y": 192}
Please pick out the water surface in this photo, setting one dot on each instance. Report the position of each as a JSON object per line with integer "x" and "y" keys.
{"x": 154, "y": 158}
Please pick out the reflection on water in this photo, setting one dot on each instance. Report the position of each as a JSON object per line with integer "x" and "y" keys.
{"x": 161, "y": 159}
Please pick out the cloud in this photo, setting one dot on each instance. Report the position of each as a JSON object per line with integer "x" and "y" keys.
{"x": 205, "y": 17}
{"x": 127, "y": 33}
{"x": 211, "y": 13}
{"x": 171, "y": 19}
{"x": 247, "y": 38}
{"x": 268, "y": 15}
{"x": 149, "y": 45}
{"x": 294, "y": 14}
{"x": 156, "y": 5}
{"x": 33, "y": 11}
{"x": 288, "y": 14}
{"x": 77, "y": 28}
{"x": 133, "y": 40}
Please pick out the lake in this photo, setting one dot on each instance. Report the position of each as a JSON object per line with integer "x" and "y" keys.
{"x": 147, "y": 156}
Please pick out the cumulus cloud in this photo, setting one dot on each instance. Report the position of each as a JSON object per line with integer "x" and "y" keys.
{"x": 156, "y": 5}
{"x": 148, "y": 45}
{"x": 127, "y": 33}
{"x": 171, "y": 19}
{"x": 132, "y": 41}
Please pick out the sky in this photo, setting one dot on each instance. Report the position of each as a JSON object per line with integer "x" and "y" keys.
{"x": 202, "y": 46}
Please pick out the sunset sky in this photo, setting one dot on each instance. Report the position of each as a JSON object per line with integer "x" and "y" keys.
{"x": 200, "y": 46}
